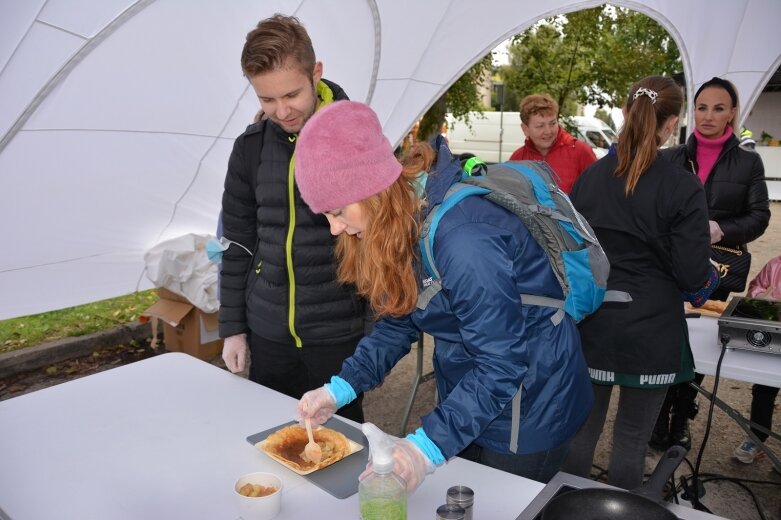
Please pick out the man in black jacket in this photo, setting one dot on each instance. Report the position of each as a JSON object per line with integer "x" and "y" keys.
{"x": 281, "y": 307}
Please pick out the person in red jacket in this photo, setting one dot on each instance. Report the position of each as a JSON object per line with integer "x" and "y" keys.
{"x": 547, "y": 141}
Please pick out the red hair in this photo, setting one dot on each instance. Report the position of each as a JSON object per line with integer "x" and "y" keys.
{"x": 382, "y": 263}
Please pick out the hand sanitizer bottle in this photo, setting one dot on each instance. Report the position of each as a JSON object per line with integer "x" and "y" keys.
{"x": 382, "y": 495}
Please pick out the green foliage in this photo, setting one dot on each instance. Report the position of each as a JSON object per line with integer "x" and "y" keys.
{"x": 18, "y": 333}
{"x": 591, "y": 56}
{"x": 511, "y": 100}
{"x": 765, "y": 138}
{"x": 460, "y": 99}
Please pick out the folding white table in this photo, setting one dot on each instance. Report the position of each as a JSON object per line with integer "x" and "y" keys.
{"x": 165, "y": 438}
{"x": 742, "y": 365}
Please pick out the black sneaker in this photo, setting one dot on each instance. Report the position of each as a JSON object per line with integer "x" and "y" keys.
{"x": 660, "y": 437}
{"x": 679, "y": 432}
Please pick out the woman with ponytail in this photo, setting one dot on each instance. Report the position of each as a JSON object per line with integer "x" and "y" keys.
{"x": 651, "y": 218}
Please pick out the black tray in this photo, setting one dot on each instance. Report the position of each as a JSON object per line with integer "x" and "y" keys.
{"x": 340, "y": 479}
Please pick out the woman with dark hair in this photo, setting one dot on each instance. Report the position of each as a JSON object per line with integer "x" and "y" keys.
{"x": 651, "y": 219}
{"x": 513, "y": 385}
{"x": 738, "y": 211}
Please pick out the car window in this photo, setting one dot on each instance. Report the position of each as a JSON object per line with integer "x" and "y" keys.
{"x": 597, "y": 138}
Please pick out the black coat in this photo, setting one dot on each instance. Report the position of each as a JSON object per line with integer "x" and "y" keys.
{"x": 289, "y": 284}
{"x": 658, "y": 244}
{"x": 735, "y": 190}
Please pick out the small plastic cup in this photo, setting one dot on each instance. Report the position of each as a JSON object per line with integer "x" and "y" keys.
{"x": 259, "y": 508}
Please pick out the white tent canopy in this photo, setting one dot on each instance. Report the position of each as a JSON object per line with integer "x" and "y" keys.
{"x": 117, "y": 117}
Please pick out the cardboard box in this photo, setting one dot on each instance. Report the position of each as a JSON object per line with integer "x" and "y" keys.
{"x": 185, "y": 327}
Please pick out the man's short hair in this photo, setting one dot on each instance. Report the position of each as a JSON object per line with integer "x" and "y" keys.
{"x": 535, "y": 104}
{"x": 278, "y": 42}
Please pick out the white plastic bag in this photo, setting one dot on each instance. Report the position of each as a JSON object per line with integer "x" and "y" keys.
{"x": 181, "y": 266}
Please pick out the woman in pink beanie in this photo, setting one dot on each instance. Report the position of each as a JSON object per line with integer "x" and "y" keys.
{"x": 513, "y": 386}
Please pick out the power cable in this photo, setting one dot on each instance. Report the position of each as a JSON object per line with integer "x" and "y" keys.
{"x": 696, "y": 494}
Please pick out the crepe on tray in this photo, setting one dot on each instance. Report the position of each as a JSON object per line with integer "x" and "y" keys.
{"x": 286, "y": 446}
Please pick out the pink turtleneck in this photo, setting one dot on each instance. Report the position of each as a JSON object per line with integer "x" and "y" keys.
{"x": 708, "y": 151}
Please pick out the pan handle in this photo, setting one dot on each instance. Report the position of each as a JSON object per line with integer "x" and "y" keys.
{"x": 666, "y": 466}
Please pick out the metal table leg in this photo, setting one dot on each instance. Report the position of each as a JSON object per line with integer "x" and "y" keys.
{"x": 744, "y": 424}
{"x": 420, "y": 378}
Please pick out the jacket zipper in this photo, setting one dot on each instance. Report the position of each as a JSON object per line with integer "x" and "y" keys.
{"x": 325, "y": 96}
{"x": 291, "y": 275}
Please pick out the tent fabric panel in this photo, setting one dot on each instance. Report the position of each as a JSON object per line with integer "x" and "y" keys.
{"x": 86, "y": 280}
{"x": 407, "y": 93}
{"x": 198, "y": 209}
{"x": 16, "y": 17}
{"x": 154, "y": 86}
{"x": 243, "y": 114}
{"x": 85, "y": 18}
{"x": 344, "y": 45}
{"x": 20, "y": 81}
{"x": 80, "y": 197}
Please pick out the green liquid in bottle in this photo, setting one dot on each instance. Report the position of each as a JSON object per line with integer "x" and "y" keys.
{"x": 384, "y": 509}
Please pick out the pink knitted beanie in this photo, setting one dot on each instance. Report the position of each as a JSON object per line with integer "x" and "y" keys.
{"x": 343, "y": 157}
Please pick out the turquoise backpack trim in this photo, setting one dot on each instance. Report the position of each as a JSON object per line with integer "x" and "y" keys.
{"x": 528, "y": 189}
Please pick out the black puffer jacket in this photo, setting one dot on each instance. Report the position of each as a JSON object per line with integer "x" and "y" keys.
{"x": 287, "y": 292}
{"x": 735, "y": 190}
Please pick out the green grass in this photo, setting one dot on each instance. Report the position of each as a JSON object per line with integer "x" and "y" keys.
{"x": 18, "y": 333}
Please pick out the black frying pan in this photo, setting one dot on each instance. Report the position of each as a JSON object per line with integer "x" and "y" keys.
{"x": 604, "y": 504}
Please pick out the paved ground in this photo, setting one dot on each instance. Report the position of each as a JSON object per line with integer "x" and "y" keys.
{"x": 385, "y": 405}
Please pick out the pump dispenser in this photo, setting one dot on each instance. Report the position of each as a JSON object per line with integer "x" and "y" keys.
{"x": 382, "y": 495}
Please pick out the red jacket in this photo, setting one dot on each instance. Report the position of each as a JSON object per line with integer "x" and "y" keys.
{"x": 568, "y": 157}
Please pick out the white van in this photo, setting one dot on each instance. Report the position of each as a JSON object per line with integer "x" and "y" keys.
{"x": 596, "y": 133}
{"x": 494, "y": 136}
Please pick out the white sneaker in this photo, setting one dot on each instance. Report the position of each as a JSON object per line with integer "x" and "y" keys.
{"x": 747, "y": 452}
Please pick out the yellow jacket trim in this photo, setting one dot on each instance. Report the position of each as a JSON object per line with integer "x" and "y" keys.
{"x": 326, "y": 96}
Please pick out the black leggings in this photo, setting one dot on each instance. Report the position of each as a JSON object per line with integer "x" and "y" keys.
{"x": 762, "y": 401}
{"x": 637, "y": 411}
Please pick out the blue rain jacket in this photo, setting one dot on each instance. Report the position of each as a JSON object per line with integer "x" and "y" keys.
{"x": 508, "y": 379}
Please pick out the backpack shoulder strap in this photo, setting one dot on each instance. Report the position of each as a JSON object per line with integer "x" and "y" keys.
{"x": 253, "y": 144}
{"x": 455, "y": 194}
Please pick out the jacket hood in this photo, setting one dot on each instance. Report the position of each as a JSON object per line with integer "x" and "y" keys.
{"x": 444, "y": 172}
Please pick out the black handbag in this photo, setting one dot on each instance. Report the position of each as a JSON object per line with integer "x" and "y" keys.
{"x": 733, "y": 264}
